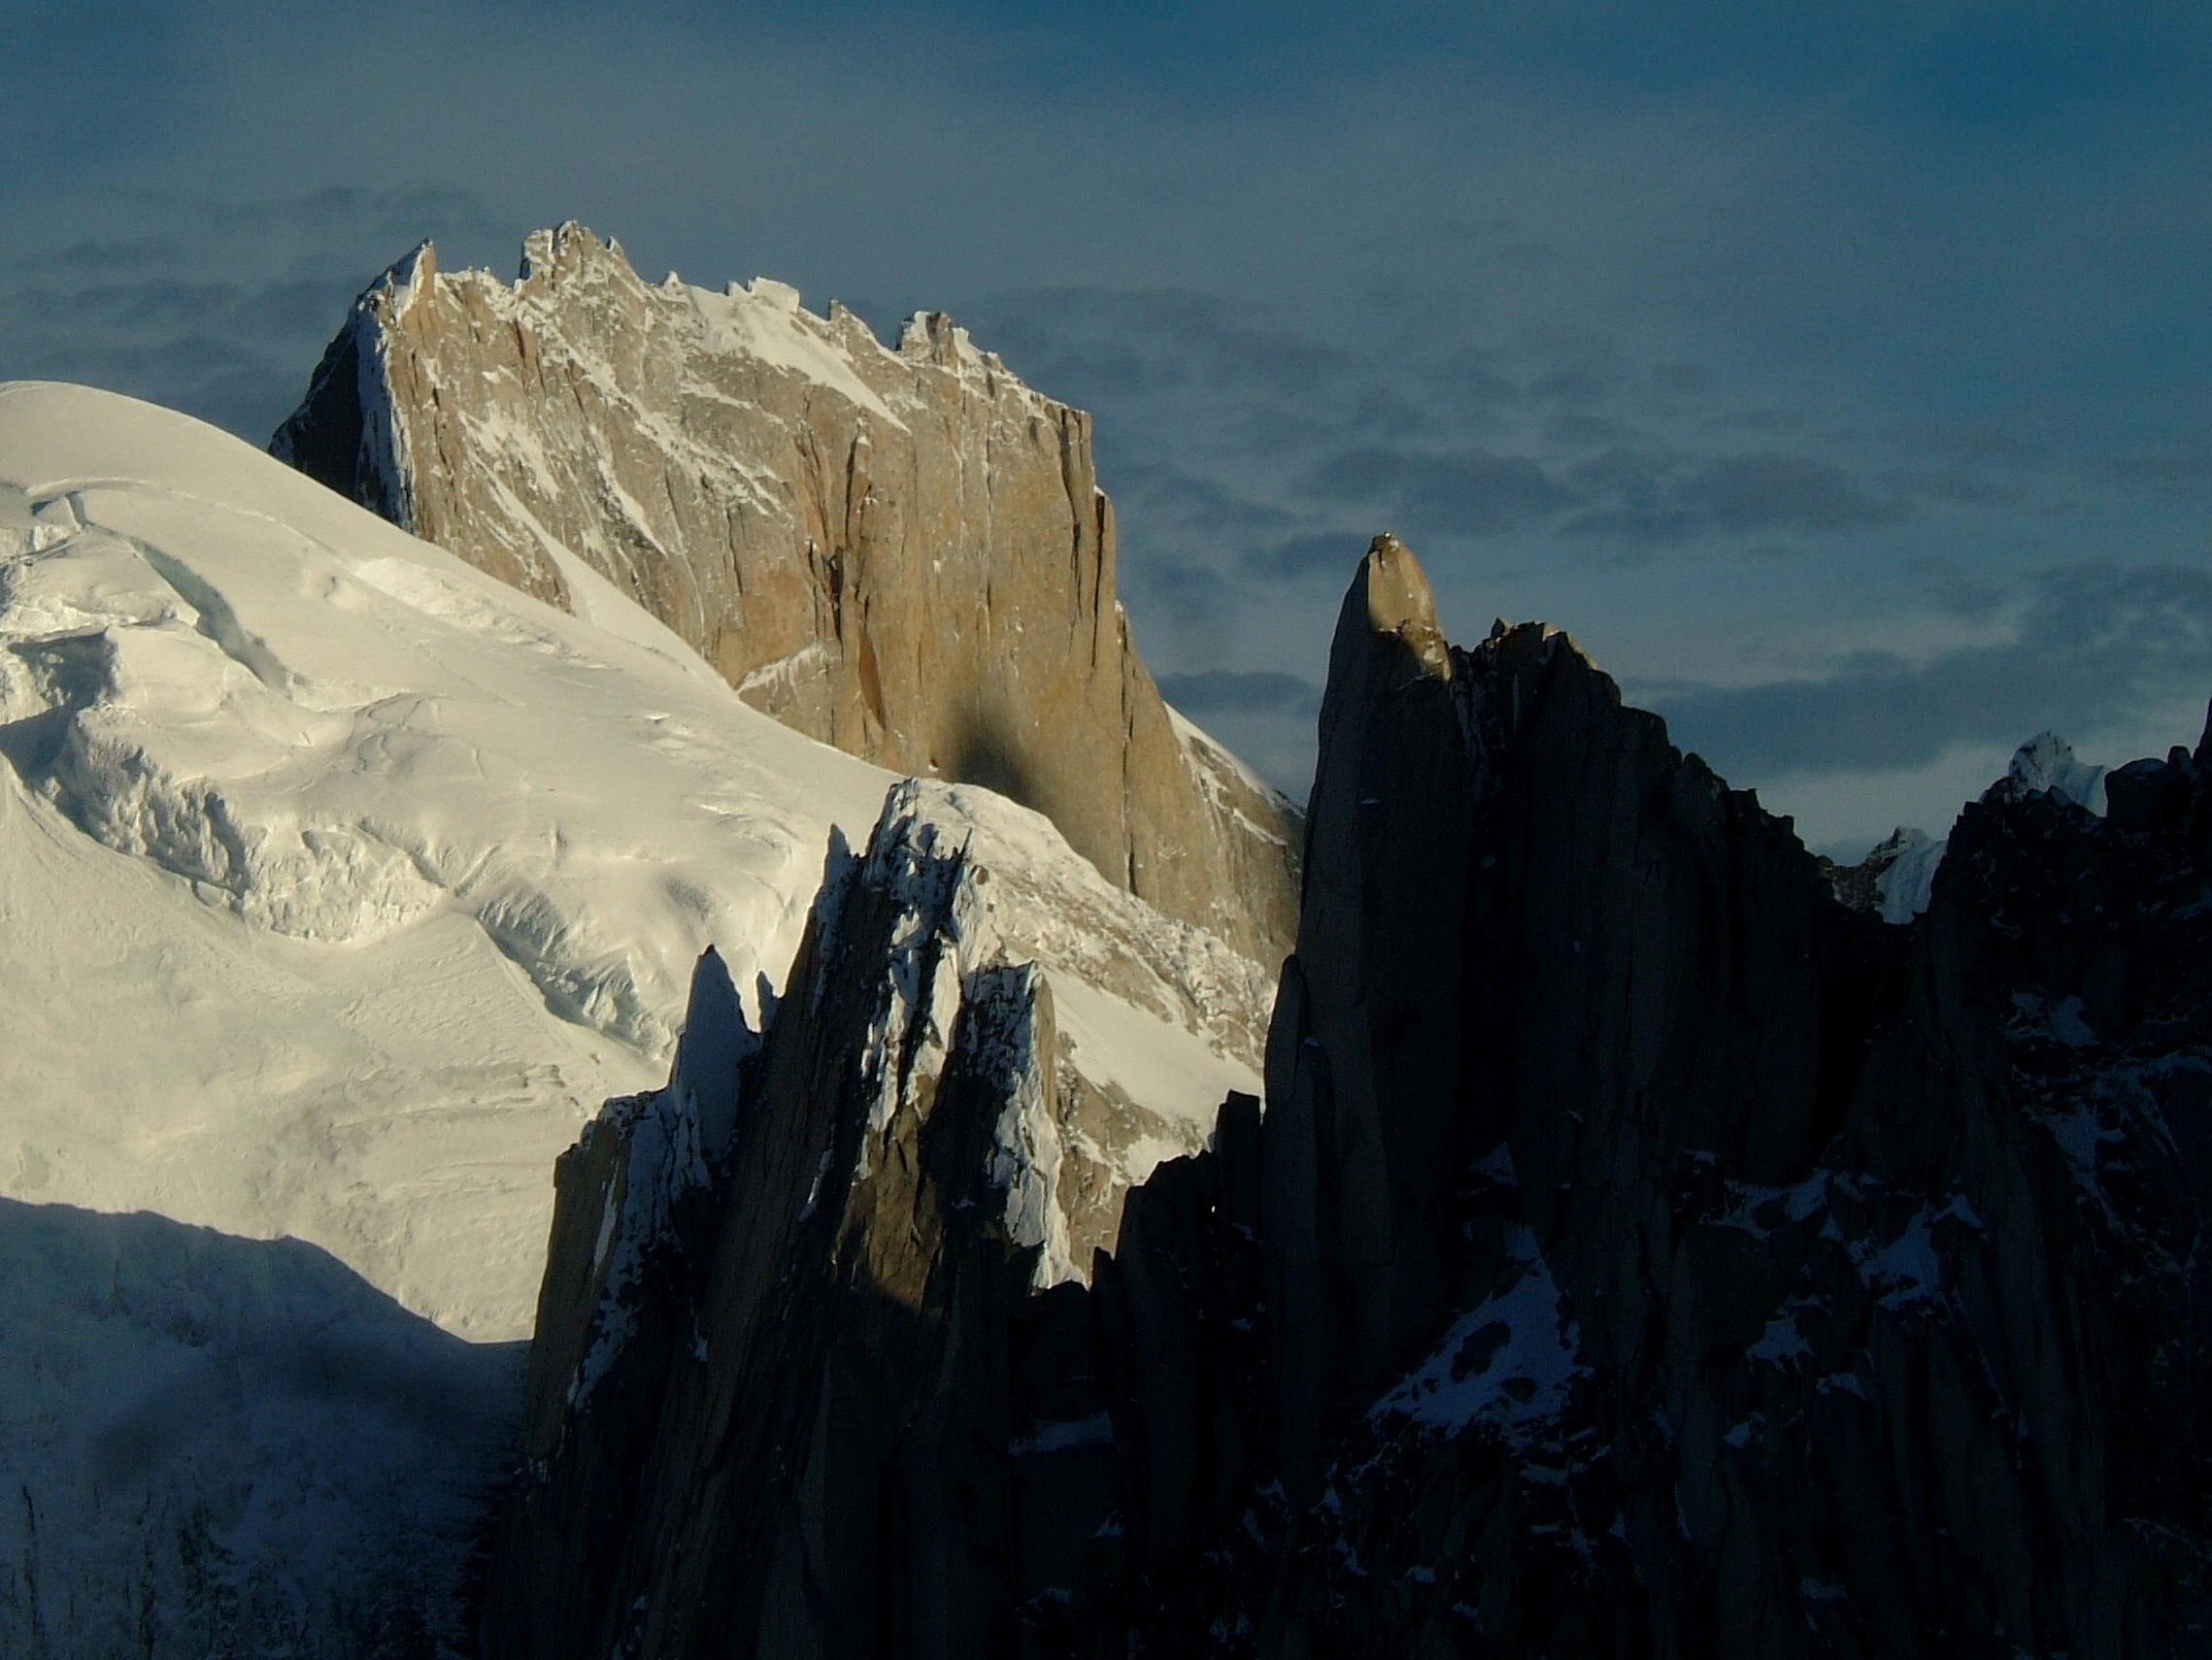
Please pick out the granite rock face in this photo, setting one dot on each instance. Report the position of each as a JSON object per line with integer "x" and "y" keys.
{"x": 901, "y": 552}
{"x": 1642, "y": 1253}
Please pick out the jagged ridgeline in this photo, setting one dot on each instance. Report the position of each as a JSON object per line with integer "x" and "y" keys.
{"x": 903, "y": 552}
{"x": 1640, "y": 1252}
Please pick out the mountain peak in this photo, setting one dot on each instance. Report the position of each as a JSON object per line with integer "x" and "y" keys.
{"x": 1399, "y": 602}
{"x": 905, "y": 554}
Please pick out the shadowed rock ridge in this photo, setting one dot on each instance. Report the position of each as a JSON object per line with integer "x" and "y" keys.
{"x": 901, "y": 552}
{"x": 1641, "y": 1252}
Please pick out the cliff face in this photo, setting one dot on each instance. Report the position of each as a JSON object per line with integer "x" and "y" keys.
{"x": 901, "y": 552}
{"x": 1641, "y": 1252}
{"x": 784, "y": 1374}
{"x": 1701, "y": 1268}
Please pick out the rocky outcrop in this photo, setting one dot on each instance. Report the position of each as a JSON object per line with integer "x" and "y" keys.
{"x": 901, "y": 552}
{"x": 1641, "y": 1253}
{"x": 824, "y": 1259}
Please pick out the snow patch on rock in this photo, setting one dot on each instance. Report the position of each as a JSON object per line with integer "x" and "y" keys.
{"x": 1907, "y": 880}
{"x": 1510, "y": 1361}
{"x": 2046, "y": 763}
{"x": 1027, "y": 1156}
{"x": 676, "y": 1140}
{"x": 766, "y": 321}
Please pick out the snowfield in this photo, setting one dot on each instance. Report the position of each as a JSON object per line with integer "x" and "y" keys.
{"x": 340, "y": 882}
{"x": 339, "y": 886}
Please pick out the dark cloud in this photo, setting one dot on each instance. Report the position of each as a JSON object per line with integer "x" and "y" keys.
{"x": 1683, "y": 379}
{"x": 1471, "y": 382}
{"x": 1959, "y": 484}
{"x": 1782, "y": 493}
{"x": 1193, "y": 589}
{"x": 2096, "y": 649}
{"x": 1648, "y": 500}
{"x": 1553, "y": 288}
{"x": 1974, "y": 442}
{"x": 135, "y": 254}
{"x": 1149, "y": 342}
{"x": 1223, "y": 692}
{"x": 1471, "y": 492}
{"x": 158, "y": 311}
{"x": 2184, "y": 473}
{"x": 1956, "y": 591}
{"x": 1580, "y": 382}
{"x": 1190, "y": 501}
{"x": 228, "y": 353}
{"x": 217, "y": 307}
{"x": 1624, "y": 494}
{"x": 1579, "y": 429}
{"x": 1327, "y": 553}
{"x": 1764, "y": 421}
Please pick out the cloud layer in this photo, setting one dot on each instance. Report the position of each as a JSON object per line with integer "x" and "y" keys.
{"x": 1835, "y": 375}
{"x": 2097, "y": 649}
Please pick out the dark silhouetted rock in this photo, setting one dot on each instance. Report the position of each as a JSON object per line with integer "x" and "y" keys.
{"x": 1642, "y": 1253}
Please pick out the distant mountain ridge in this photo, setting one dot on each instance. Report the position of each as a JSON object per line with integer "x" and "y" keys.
{"x": 902, "y": 552}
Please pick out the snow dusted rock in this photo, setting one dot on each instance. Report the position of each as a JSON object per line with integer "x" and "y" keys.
{"x": 1337, "y": 1337}
{"x": 2046, "y": 762}
{"x": 982, "y": 1049}
{"x": 901, "y": 552}
{"x": 1642, "y": 1253}
{"x": 1894, "y": 881}
{"x": 1796, "y": 1286}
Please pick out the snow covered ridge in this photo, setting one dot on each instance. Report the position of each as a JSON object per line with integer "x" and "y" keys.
{"x": 339, "y": 883}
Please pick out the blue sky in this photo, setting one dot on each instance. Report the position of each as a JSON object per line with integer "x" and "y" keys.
{"x": 1835, "y": 374}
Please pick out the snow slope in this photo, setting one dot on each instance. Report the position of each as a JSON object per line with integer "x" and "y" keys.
{"x": 217, "y": 1446}
{"x": 339, "y": 884}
